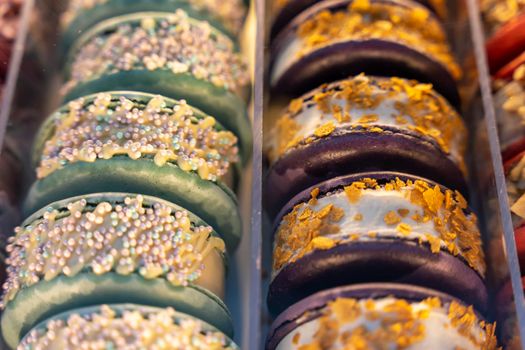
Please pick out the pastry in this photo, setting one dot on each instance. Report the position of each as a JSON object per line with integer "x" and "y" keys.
{"x": 381, "y": 316}
{"x": 125, "y": 326}
{"x": 283, "y": 11}
{"x": 377, "y": 227}
{"x": 381, "y": 37}
{"x": 112, "y": 248}
{"x": 81, "y": 15}
{"x": 365, "y": 123}
{"x": 169, "y": 54}
{"x": 139, "y": 143}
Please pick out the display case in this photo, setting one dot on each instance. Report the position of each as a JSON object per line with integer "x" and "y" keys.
{"x": 29, "y": 97}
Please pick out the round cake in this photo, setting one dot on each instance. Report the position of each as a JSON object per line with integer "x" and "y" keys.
{"x": 163, "y": 53}
{"x": 139, "y": 143}
{"x": 504, "y": 23}
{"x": 381, "y": 316}
{"x": 112, "y": 248}
{"x": 82, "y": 15}
{"x": 125, "y": 326}
{"x": 378, "y": 37}
{"x": 360, "y": 124}
{"x": 377, "y": 227}
{"x": 283, "y": 11}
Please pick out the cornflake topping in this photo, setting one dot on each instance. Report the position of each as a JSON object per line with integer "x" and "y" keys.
{"x": 171, "y": 43}
{"x": 392, "y": 323}
{"x": 110, "y": 126}
{"x": 316, "y": 225}
{"x": 230, "y": 13}
{"x": 413, "y": 26}
{"x": 154, "y": 241}
{"x": 405, "y": 104}
{"x": 133, "y": 329}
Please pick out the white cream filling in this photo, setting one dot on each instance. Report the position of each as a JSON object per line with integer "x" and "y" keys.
{"x": 371, "y": 209}
{"x": 309, "y": 119}
{"x": 439, "y": 332}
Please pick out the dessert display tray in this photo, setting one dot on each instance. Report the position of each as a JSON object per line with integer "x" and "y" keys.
{"x": 28, "y": 97}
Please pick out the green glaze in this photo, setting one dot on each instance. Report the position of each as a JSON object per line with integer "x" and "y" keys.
{"x": 113, "y": 8}
{"x": 47, "y": 299}
{"x": 213, "y": 202}
{"x": 228, "y": 108}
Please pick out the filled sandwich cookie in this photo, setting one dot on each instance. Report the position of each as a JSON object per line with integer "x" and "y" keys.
{"x": 125, "y": 326}
{"x": 334, "y": 39}
{"x": 365, "y": 123}
{"x": 283, "y": 11}
{"x": 377, "y": 227}
{"x": 82, "y": 15}
{"x": 163, "y": 53}
{"x": 139, "y": 143}
{"x": 505, "y": 26}
{"x": 381, "y": 316}
{"x": 112, "y": 248}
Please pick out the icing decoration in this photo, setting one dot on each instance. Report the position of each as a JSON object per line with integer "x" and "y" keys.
{"x": 364, "y": 103}
{"x": 172, "y": 43}
{"x": 134, "y": 328}
{"x": 230, "y": 13}
{"x": 366, "y": 211}
{"x": 152, "y": 240}
{"x": 167, "y": 131}
{"x": 392, "y": 323}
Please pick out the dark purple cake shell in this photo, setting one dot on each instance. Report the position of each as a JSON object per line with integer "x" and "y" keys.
{"x": 343, "y": 59}
{"x": 292, "y": 318}
{"x": 384, "y": 260}
{"x": 353, "y": 152}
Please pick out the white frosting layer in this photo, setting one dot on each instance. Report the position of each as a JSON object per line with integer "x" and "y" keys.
{"x": 438, "y": 331}
{"x": 379, "y": 214}
{"x": 437, "y": 128}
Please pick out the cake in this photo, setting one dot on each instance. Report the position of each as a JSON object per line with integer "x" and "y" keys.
{"x": 360, "y": 124}
{"x": 112, "y": 248}
{"x": 81, "y": 15}
{"x": 334, "y": 39}
{"x": 125, "y": 326}
{"x": 377, "y": 227}
{"x": 139, "y": 143}
{"x": 170, "y": 54}
{"x": 381, "y": 316}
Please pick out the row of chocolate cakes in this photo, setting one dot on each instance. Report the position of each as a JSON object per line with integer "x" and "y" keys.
{"x": 374, "y": 244}
{"x": 504, "y": 23}
{"x": 133, "y": 214}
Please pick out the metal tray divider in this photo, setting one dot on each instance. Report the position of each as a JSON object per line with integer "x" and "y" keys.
{"x": 14, "y": 67}
{"x": 494, "y": 146}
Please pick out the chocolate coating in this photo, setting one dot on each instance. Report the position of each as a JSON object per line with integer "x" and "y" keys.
{"x": 353, "y": 152}
{"x": 382, "y": 261}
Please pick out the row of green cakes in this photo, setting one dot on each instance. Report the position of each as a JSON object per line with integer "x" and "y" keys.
{"x": 133, "y": 213}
